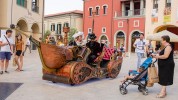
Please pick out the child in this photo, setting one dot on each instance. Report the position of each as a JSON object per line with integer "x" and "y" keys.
{"x": 132, "y": 75}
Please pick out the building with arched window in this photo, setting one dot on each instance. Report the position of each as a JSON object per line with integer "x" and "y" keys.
{"x": 26, "y": 15}
{"x": 118, "y": 20}
{"x": 162, "y": 15}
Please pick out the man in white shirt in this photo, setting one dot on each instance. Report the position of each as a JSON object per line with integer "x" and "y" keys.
{"x": 140, "y": 45}
{"x": 6, "y": 43}
{"x": 28, "y": 45}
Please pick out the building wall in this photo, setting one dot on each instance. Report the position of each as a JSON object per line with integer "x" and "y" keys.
{"x": 111, "y": 20}
{"x": 101, "y": 20}
{"x": 75, "y": 21}
{"x": 150, "y": 27}
{"x": 160, "y": 25}
{"x": 21, "y": 13}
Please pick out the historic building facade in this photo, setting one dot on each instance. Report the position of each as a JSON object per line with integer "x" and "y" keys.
{"x": 55, "y": 22}
{"x": 162, "y": 15}
{"x": 117, "y": 21}
{"x": 27, "y": 15}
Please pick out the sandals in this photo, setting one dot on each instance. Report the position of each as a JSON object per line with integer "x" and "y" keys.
{"x": 6, "y": 72}
{"x": 161, "y": 95}
{"x": 1, "y": 72}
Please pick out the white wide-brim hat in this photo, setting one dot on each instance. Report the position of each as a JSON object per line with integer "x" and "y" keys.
{"x": 77, "y": 34}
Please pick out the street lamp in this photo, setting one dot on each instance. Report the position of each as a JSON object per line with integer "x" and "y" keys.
{"x": 93, "y": 23}
{"x": 66, "y": 29}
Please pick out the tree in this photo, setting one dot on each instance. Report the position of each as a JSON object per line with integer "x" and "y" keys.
{"x": 71, "y": 33}
{"x": 47, "y": 33}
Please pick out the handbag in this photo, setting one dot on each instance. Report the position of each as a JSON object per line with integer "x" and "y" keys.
{"x": 152, "y": 74}
{"x": 14, "y": 62}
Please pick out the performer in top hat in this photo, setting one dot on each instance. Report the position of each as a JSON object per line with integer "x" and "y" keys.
{"x": 78, "y": 39}
{"x": 95, "y": 47}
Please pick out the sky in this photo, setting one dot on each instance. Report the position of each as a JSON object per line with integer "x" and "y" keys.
{"x": 56, "y": 6}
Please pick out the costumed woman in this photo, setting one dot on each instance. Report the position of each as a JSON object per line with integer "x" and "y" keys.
{"x": 78, "y": 39}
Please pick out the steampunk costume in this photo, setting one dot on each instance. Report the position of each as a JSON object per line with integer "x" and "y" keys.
{"x": 95, "y": 47}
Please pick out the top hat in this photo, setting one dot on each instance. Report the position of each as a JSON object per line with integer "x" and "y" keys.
{"x": 92, "y": 36}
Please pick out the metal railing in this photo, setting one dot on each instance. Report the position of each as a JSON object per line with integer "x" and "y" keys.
{"x": 130, "y": 13}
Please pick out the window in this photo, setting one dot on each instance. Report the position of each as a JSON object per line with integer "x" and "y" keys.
{"x": 22, "y": 3}
{"x": 59, "y": 28}
{"x": 105, "y": 10}
{"x": 52, "y": 27}
{"x": 66, "y": 24}
{"x": 97, "y": 10}
{"x": 90, "y": 11}
{"x": 35, "y": 6}
{"x": 168, "y": 3}
{"x": 120, "y": 24}
{"x": 103, "y": 29}
{"x": 136, "y": 23}
{"x": 89, "y": 30}
{"x": 155, "y": 4}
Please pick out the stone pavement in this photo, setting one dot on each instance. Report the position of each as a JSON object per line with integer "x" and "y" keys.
{"x": 34, "y": 88}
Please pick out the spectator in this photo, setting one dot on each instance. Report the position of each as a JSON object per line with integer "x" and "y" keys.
{"x": 149, "y": 48}
{"x": 140, "y": 45}
{"x": 60, "y": 41}
{"x": 19, "y": 44}
{"x": 122, "y": 49}
{"x": 6, "y": 43}
{"x": 28, "y": 45}
{"x": 165, "y": 65}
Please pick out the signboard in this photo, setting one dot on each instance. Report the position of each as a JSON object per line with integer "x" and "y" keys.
{"x": 154, "y": 18}
{"x": 167, "y": 14}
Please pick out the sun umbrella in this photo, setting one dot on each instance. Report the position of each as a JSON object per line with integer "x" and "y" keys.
{"x": 157, "y": 36}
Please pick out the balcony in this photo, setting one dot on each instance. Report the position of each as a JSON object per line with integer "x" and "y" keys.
{"x": 131, "y": 13}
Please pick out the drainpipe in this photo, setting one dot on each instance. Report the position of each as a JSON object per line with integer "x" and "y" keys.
{"x": 43, "y": 20}
{"x": 112, "y": 21}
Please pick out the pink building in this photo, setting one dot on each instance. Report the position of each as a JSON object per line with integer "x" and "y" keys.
{"x": 117, "y": 21}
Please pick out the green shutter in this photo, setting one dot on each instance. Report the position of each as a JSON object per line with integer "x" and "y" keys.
{"x": 23, "y": 3}
{"x": 18, "y": 2}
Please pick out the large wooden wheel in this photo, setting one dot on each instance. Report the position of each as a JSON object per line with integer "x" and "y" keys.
{"x": 114, "y": 68}
{"x": 80, "y": 72}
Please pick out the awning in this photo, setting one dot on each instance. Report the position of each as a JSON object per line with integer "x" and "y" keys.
{"x": 157, "y": 36}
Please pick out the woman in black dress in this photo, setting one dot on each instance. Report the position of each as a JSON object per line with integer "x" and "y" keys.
{"x": 165, "y": 66}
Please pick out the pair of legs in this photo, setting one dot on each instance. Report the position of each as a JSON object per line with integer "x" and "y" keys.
{"x": 162, "y": 93}
{"x": 29, "y": 47}
{"x": 4, "y": 63}
{"x": 19, "y": 62}
{"x": 139, "y": 55}
{"x": 127, "y": 77}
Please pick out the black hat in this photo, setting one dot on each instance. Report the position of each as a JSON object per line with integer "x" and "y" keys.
{"x": 92, "y": 36}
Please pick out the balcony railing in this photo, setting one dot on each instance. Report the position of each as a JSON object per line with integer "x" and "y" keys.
{"x": 131, "y": 13}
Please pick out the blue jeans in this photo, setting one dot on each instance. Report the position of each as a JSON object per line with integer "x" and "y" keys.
{"x": 139, "y": 55}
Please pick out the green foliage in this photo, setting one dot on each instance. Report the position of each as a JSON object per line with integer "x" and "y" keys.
{"x": 47, "y": 33}
{"x": 71, "y": 33}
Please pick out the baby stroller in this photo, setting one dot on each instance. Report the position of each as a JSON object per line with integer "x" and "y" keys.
{"x": 140, "y": 79}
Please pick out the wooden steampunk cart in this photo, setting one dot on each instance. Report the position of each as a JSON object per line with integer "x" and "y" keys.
{"x": 68, "y": 65}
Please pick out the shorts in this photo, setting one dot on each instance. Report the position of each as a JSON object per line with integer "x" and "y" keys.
{"x": 5, "y": 55}
{"x": 18, "y": 52}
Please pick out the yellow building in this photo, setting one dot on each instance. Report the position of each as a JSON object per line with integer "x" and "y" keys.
{"x": 161, "y": 15}
{"x": 27, "y": 15}
{"x": 55, "y": 22}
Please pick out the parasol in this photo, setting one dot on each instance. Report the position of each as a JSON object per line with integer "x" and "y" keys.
{"x": 157, "y": 36}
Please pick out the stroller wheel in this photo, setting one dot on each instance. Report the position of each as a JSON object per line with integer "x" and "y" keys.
{"x": 145, "y": 92}
{"x": 140, "y": 89}
{"x": 123, "y": 90}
